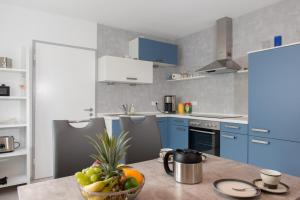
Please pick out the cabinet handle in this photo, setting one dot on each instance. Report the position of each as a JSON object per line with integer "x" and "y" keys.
{"x": 229, "y": 136}
{"x": 260, "y": 142}
{"x": 132, "y": 78}
{"x": 233, "y": 127}
{"x": 260, "y": 130}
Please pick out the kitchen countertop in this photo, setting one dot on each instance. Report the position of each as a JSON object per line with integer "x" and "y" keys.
{"x": 161, "y": 186}
{"x": 241, "y": 120}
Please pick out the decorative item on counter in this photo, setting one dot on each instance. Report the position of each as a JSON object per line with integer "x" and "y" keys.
{"x": 5, "y": 62}
{"x": 277, "y": 40}
{"x": 4, "y": 90}
{"x": 176, "y": 76}
{"x": 180, "y": 108}
{"x": 188, "y": 107}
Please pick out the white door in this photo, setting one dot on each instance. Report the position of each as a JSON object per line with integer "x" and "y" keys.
{"x": 64, "y": 89}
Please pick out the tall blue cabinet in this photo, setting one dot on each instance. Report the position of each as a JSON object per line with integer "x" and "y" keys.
{"x": 274, "y": 108}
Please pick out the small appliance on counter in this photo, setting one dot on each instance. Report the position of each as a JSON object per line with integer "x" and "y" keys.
{"x": 5, "y": 62}
{"x": 187, "y": 166}
{"x": 170, "y": 104}
{"x": 8, "y": 144}
{"x": 4, "y": 90}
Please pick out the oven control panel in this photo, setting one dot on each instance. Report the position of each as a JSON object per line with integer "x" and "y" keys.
{"x": 214, "y": 125}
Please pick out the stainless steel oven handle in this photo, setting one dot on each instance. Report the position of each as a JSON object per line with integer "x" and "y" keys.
{"x": 207, "y": 132}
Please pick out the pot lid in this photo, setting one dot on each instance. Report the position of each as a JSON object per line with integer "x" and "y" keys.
{"x": 187, "y": 156}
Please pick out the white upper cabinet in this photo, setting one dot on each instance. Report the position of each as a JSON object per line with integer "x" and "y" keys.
{"x": 124, "y": 70}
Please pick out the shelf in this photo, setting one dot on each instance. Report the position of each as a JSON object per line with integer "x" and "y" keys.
{"x": 16, "y": 125}
{"x": 189, "y": 78}
{"x": 17, "y": 152}
{"x": 21, "y": 70}
{"x": 15, "y": 180}
{"x": 12, "y": 98}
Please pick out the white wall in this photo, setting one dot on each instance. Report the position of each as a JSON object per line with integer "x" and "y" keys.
{"x": 19, "y": 26}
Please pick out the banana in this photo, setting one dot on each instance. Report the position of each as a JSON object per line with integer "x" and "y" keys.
{"x": 97, "y": 186}
{"x": 110, "y": 185}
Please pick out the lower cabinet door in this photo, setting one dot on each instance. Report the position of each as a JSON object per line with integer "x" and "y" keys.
{"x": 163, "y": 129}
{"x": 234, "y": 146}
{"x": 275, "y": 154}
{"x": 178, "y": 137}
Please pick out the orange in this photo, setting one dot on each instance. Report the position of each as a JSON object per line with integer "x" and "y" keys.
{"x": 130, "y": 172}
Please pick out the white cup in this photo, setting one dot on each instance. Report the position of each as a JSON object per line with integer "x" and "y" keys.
{"x": 163, "y": 152}
{"x": 270, "y": 178}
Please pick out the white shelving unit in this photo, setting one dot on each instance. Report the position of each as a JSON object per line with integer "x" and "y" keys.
{"x": 16, "y": 121}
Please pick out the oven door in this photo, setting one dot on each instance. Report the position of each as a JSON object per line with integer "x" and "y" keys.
{"x": 204, "y": 140}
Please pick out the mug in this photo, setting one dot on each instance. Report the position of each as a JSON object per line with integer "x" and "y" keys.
{"x": 270, "y": 178}
{"x": 163, "y": 153}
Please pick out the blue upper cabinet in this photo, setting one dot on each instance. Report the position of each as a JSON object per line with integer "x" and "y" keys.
{"x": 151, "y": 50}
{"x": 274, "y": 97}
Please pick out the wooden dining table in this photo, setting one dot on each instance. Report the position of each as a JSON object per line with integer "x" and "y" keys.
{"x": 160, "y": 186}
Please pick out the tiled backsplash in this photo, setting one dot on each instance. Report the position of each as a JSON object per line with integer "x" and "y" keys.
{"x": 225, "y": 93}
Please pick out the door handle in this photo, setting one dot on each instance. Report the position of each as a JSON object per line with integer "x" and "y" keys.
{"x": 260, "y": 130}
{"x": 88, "y": 109}
{"x": 228, "y": 136}
{"x": 260, "y": 142}
{"x": 233, "y": 127}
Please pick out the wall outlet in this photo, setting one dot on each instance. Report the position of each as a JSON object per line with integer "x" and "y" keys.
{"x": 194, "y": 103}
{"x": 153, "y": 103}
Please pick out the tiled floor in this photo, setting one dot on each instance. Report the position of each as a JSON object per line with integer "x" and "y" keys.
{"x": 9, "y": 193}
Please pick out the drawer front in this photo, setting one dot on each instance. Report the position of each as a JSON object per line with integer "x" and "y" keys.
{"x": 274, "y": 154}
{"x": 178, "y": 121}
{"x": 234, "y": 146}
{"x": 178, "y": 137}
{"x": 163, "y": 129}
{"x": 234, "y": 128}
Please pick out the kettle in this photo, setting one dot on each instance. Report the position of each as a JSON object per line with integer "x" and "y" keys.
{"x": 187, "y": 166}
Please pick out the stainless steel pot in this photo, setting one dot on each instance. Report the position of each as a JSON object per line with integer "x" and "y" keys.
{"x": 187, "y": 166}
{"x": 8, "y": 144}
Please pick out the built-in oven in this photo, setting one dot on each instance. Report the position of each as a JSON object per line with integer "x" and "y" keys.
{"x": 204, "y": 136}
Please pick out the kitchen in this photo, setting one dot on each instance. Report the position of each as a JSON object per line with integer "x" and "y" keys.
{"x": 221, "y": 99}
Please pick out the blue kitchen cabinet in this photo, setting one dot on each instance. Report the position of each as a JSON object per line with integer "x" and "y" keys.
{"x": 274, "y": 97}
{"x": 234, "y": 146}
{"x": 178, "y": 133}
{"x": 163, "y": 129}
{"x": 274, "y": 154}
{"x": 116, "y": 128}
{"x": 234, "y": 141}
{"x": 151, "y": 50}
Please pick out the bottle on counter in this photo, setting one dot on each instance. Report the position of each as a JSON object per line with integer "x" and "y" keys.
{"x": 180, "y": 108}
{"x": 188, "y": 107}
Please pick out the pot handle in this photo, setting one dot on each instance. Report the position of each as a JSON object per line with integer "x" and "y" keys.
{"x": 166, "y": 163}
{"x": 17, "y": 145}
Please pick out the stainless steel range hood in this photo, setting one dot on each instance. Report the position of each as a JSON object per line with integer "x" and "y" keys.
{"x": 224, "y": 62}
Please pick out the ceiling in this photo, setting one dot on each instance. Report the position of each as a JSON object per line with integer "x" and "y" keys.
{"x": 170, "y": 19}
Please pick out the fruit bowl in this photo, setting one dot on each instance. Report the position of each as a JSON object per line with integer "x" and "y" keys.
{"x": 121, "y": 195}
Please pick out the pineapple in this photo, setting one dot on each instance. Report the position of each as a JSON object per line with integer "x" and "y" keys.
{"x": 110, "y": 150}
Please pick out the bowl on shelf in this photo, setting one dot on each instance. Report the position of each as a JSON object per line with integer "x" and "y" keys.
{"x": 130, "y": 194}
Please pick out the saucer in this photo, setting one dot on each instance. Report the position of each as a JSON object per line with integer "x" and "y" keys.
{"x": 281, "y": 189}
